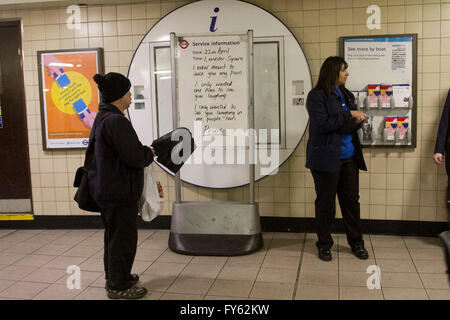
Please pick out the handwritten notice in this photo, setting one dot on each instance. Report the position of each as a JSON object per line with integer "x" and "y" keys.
{"x": 213, "y": 82}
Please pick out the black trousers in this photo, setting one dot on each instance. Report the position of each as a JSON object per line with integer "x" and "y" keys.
{"x": 344, "y": 183}
{"x": 120, "y": 244}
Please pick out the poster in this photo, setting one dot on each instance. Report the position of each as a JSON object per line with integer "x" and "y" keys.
{"x": 384, "y": 68}
{"x": 69, "y": 96}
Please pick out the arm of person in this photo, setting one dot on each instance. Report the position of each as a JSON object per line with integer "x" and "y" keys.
{"x": 126, "y": 143}
{"x": 442, "y": 133}
{"x": 317, "y": 109}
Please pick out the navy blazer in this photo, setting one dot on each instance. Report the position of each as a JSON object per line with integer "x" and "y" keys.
{"x": 442, "y": 140}
{"x": 327, "y": 122}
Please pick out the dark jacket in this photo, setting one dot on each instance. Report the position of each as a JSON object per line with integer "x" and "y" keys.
{"x": 327, "y": 122}
{"x": 116, "y": 174}
{"x": 443, "y": 137}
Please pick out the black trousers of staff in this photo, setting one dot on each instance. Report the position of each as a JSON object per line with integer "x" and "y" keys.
{"x": 345, "y": 184}
{"x": 120, "y": 244}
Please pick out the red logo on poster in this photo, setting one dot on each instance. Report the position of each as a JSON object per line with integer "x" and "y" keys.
{"x": 184, "y": 44}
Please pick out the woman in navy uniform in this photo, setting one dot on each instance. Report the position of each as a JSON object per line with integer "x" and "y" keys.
{"x": 334, "y": 155}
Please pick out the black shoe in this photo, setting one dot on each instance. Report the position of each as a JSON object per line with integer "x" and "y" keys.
{"x": 360, "y": 252}
{"x": 131, "y": 293}
{"x": 134, "y": 281}
{"x": 324, "y": 254}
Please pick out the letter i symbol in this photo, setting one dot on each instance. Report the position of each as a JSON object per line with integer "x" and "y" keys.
{"x": 212, "y": 27}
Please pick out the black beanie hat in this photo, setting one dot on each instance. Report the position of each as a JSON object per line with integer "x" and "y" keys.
{"x": 112, "y": 86}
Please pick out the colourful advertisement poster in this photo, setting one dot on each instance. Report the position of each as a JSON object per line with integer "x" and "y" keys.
{"x": 69, "y": 96}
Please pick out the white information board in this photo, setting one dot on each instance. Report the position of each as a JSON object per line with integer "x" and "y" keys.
{"x": 213, "y": 82}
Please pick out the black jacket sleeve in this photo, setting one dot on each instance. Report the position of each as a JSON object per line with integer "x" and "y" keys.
{"x": 317, "y": 108}
{"x": 442, "y": 133}
{"x": 124, "y": 140}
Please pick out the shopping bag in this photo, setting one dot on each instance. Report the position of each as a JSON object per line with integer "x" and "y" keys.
{"x": 152, "y": 200}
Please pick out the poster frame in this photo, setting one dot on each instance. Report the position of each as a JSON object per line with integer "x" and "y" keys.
{"x": 43, "y": 107}
{"x": 413, "y": 124}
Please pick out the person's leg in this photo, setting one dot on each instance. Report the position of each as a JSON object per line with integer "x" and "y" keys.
{"x": 348, "y": 195}
{"x": 325, "y": 206}
{"x": 122, "y": 245}
{"x": 106, "y": 244}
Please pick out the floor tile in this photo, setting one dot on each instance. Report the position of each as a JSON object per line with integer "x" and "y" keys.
{"x": 317, "y": 292}
{"x": 391, "y": 253}
{"x": 148, "y": 254}
{"x": 400, "y": 280}
{"x": 181, "y": 296}
{"x": 238, "y": 273}
{"x": 153, "y": 295}
{"x": 45, "y": 275}
{"x": 156, "y": 282}
{"x": 211, "y": 297}
{"x": 191, "y": 285}
{"x": 140, "y": 267}
{"x": 82, "y": 251}
{"x": 438, "y": 294}
{"x": 396, "y": 265}
{"x": 253, "y": 259}
{"x": 422, "y": 242}
{"x": 319, "y": 277}
{"x": 387, "y": 242}
{"x": 5, "y": 284}
{"x": 232, "y": 288}
{"x": 53, "y": 249}
{"x": 281, "y": 262}
{"x": 353, "y": 279}
{"x": 434, "y": 281}
{"x": 57, "y": 292}
{"x": 359, "y": 293}
{"x": 319, "y": 265}
{"x": 21, "y": 235}
{"x": 277, "y": 275}
{"x": 404, "y": 294}
{"x": 165, "y": 269}
{"x": 285, "y": 247}
{"x": 151, "y": 243}
{"x": 10, "y": 258}
{"x": 219, "y": 261}
{"x": 93, "y": 264}
{"x": 170, "y": 256}
{"x": 428, "y": 266}
{"x": 92, "y": 293}
{"x": 272, "y": 291}
{"x": 23, "y": 290}
{"x": 355, "y": 264}
{"x": 288, "y": 235}
{"x": 62, "y": 262}
{"x": 15, "y": 272}
{"x": 427, "y": 254}
{"x": 33, "y": 260}
{"x": 196, "y": 270}
{"x": 23, "y": 248}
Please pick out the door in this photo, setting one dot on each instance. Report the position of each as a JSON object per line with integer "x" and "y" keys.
{"x": 15, "y": 177}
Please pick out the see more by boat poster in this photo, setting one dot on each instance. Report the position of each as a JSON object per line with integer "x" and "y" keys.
{"x": 69, "y": 96}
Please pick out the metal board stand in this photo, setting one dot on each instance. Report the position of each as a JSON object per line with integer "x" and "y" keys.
{"x": 216, "y": 228}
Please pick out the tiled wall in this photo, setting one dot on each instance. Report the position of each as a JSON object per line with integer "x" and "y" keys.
{"x": 400, "y": 184}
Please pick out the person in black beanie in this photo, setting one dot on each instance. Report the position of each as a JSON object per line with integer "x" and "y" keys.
{"x": 116, "y": 179}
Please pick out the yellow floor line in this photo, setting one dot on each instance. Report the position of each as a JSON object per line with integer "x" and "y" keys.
{"x": 16, "y": 216}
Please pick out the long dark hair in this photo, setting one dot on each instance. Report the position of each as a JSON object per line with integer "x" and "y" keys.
{"x": 329, "y": 73}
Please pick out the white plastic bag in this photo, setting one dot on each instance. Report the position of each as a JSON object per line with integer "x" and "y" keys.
{"x": 152, "y": 200}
